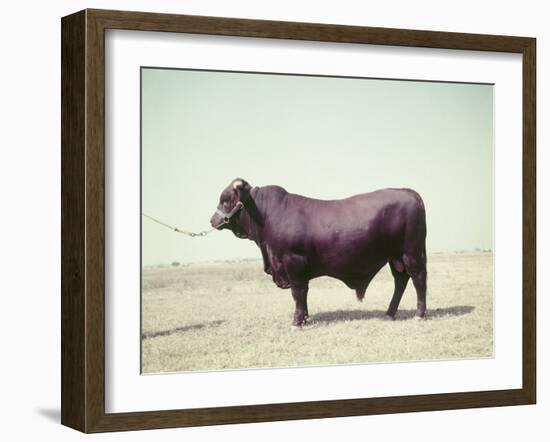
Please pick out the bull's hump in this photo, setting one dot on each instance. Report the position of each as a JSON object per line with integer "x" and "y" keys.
{"x": 273, "y": 193}
{"x": 273, "y": 188}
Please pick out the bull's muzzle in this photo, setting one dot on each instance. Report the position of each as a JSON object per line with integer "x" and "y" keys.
{"x": 217, "y": 222}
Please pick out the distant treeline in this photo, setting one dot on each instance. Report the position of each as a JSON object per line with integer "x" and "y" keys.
{"x": 176, "y": 264}
{"x": 476, "y": 250}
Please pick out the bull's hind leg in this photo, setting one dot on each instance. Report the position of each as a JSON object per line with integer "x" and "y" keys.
{"x": 416, "y": 268}
{"x": 400, "y": 278}
{"x": 420, "y": 284}
{"x": 300, "y": 299}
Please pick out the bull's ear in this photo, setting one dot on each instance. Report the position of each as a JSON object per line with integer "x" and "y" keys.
{"x": 241, "y": 186}
{"x": 237, "y": 183}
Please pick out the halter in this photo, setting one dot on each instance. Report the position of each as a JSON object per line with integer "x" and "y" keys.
{"x": 228, "y": 215}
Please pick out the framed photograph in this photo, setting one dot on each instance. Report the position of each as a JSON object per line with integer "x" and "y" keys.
{"x": 270, "y": 220}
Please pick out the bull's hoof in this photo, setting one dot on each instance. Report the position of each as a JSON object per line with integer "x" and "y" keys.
{"x": 389, "y": 317}
{"x": 420, "y": 318}
{"x": 299, "y": 324}
{"x": 295, "y": 327}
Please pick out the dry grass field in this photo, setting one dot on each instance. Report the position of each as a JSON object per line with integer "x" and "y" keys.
{"x": 218, "y": 316}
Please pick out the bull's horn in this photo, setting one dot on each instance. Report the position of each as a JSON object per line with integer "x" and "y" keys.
{"x": 237, "y": 183}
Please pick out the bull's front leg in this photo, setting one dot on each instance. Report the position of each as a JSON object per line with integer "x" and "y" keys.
{"x": 265, "y": 257}
{"x": 299, "y": 293}
{"x": 290, "y": 271}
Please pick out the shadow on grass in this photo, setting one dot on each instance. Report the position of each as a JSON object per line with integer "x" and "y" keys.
{"x": 360, "y": 315}
{"x": 186, "y": 328}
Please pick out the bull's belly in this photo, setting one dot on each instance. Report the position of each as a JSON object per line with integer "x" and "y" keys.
{"x": 353, "y": 261}
{"x": 348, "y": 267}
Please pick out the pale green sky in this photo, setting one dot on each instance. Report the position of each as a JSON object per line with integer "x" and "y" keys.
{"x": 316, "y": 136}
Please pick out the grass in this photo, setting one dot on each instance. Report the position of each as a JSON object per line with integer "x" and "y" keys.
{"x": 230, "y": 315}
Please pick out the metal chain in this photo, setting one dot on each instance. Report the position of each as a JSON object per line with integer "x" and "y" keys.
{"x": 225, "y": 219}
{"x": 183, "y": 232}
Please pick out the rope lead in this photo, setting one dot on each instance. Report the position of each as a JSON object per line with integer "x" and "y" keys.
{"x": 183, "y": 232}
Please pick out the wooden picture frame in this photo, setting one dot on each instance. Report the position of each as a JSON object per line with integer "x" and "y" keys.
{"x": 83, "y": 220}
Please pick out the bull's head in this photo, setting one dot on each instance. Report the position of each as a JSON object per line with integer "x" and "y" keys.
{"x": 232, "y": 200}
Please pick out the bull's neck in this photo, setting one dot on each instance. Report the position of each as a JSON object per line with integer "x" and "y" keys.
{"x": 252, "y": 218}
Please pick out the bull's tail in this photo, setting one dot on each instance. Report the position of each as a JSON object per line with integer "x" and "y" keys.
{"x": 415, "y": 259}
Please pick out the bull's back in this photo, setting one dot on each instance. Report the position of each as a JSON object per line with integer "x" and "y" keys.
{"x": 383, "y": 212}
{"x": 339, "y": 235}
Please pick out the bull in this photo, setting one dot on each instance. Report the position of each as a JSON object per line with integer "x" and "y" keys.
{"x": 349, "y": 239}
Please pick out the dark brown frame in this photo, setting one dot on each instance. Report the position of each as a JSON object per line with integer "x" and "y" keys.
{"x": 83, "y": 216}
